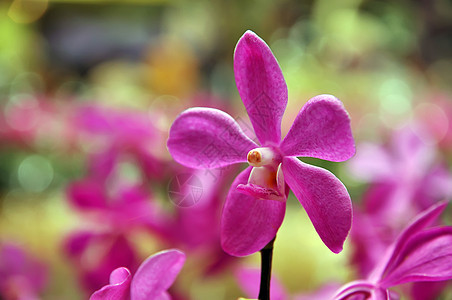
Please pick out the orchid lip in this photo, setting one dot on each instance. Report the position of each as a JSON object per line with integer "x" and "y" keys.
{"x": 265, "y": 183}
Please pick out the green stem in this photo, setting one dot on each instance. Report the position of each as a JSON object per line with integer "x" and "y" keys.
{"x": 266, "y": 270}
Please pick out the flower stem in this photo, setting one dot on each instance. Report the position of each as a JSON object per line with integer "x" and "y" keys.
{"x": 266, "y": 270}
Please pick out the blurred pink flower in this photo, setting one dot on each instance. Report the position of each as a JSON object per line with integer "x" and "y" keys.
{"x": 417, "y": 255}
{"x": 113, "y": 197}
{"x": 436, "y": 116}
{"x": 405, "y": 178}
{"x": 255, "y": 206}
{"x": 96, "y": 255}
{"x": 195, "y": 229}
{"x": 116, "y": 135}
{"x": 151, "y": 281}
{"x": 118, "y": 208}
{"x": 25, "y": 119}
{"x": 22, "y": 277}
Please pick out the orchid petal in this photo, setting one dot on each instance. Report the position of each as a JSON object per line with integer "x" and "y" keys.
{"x": 156, "y": 274}
{"x": 163, "y": 296}
{"x": 361, "y": 290}
{"x": 207, "y": 138}
{"x": 324, "y": 198}
{"x": 87, "y": 195}
{"x": 358, "y": 288}
{"x": 95, "y": 274}
{"x": 427, "y": 256}
{"x": 248, "y": 224}
{"x": 380, "y": 294}
{"x": 118, "y": 289}
{"x": 322, "y": 130}
{"x": 259, "y": 192}
{"x": 261, "y": 86}
{"x": 427, "y": 289}
{"x": 392, "y": 256}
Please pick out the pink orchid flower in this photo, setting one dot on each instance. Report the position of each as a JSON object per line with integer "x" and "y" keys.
{"x": 255, "y": 206}
{"x": 406, "y": 176}
{"x": 117, "y": 208}
{"x": 78, "y": 246}
{"x": 151, "y": 281}
{"x": 418, "y": 254}
{"x": 117, "y": 135}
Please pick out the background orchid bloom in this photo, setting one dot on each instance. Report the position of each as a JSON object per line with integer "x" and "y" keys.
{"x": 151, "y": 281}
{"x": 117, "y": 208}
{"x": 121, "y": 253}
{"x": 405, "y": 176}
{"x": 418, "y": 254}
{"x": 22, "y": 276}
{"x": 255, "y": 206}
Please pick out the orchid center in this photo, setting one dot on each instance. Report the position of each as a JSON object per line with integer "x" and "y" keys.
{"x": 264, "y": 156}
{"x": 266, "y": 180}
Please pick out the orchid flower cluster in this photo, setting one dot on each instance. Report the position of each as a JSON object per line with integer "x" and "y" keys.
{"x": 398, "y": 244}
{"x": 419, "y": 255}
{"x": 122, "y": 206}
{"x": 207, "y": 138}
{"x": 405, "y": 178}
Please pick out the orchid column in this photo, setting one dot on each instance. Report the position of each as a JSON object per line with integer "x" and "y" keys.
{"x": 256, "y": 203}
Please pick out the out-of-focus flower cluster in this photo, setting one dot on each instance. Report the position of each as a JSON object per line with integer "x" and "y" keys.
{"x": 88, "y": 92}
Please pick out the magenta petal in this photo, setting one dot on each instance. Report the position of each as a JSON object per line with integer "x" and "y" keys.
{"x": 324, "y": 198}
{"x": 87, "y": 195}
{"x": 119, "y": 275}
{"x": 248, "y": 224}
{"x": 360, "y": 289}
{"x": 427, "y": 289}
{"x": 322, "y": 130}
{"x": 118, "y": 289}
{"x": 427, "y": 256}
{"x": 261, "y": 86}
{"x": 381, "y": 294}
{"x": 207, "y": 138}
{"x": 260, "y": 192}
{"x": 156, "y": 274}
{"x": 392, "y": 257}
